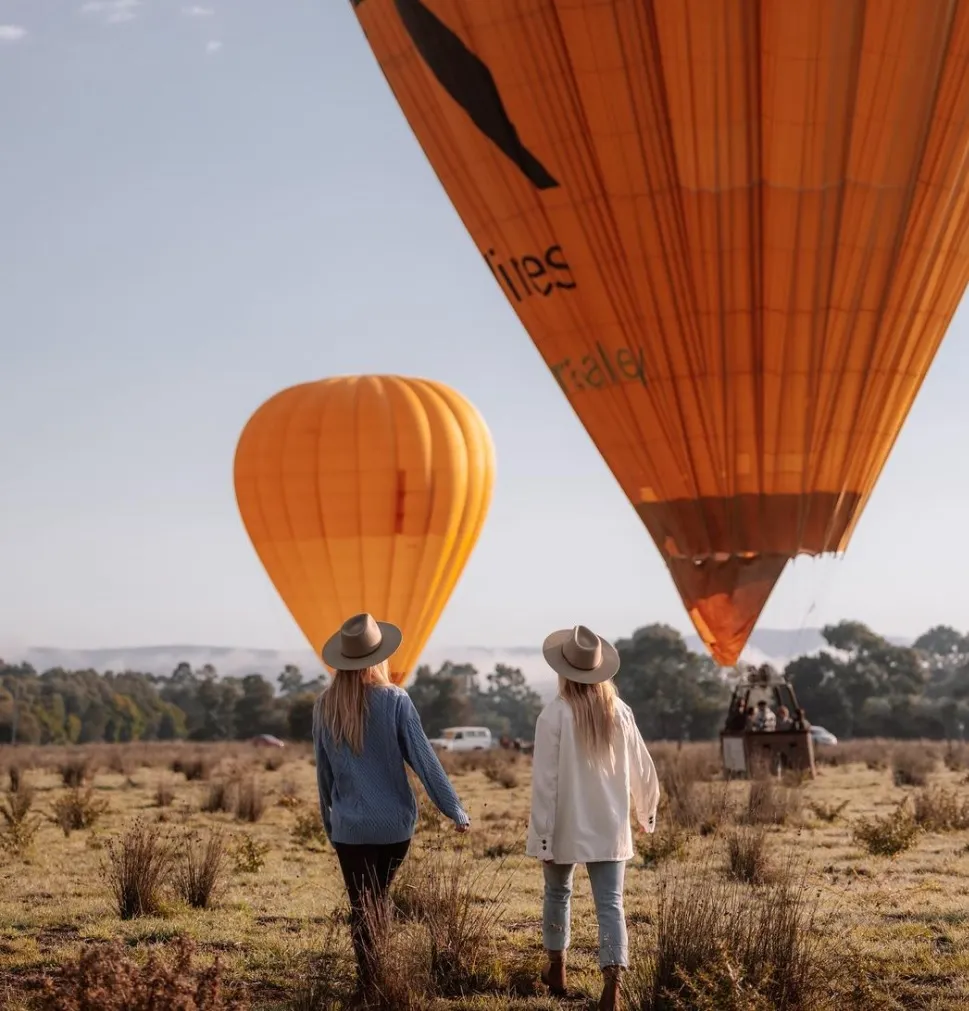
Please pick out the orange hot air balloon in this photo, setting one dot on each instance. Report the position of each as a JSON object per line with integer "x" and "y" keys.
{"x": 365, "y": 493}
{"x": 736, "y": 231}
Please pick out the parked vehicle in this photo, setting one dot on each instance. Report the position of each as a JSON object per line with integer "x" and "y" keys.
{"x": 268, "y": 741}
{"x": 463, "y": 739}
{"x": 821, "y": 736}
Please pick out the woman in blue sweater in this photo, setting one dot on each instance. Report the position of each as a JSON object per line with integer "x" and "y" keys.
{"x": 364, "y": 730}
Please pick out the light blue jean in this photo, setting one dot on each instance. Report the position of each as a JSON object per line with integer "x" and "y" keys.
{"x": 607, "y": 877}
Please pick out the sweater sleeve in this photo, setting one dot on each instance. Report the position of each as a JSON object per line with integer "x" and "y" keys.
{"x": 420, "y": 756}
{"x": 545, "y": 780}
{"x": 324, "y": 780}
{"x": 643, "y": 781}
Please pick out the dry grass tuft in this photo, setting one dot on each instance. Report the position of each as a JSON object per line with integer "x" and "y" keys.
{"x": 198, "y": 868}
{"x": 164, "y": 792}
{"x": 912, "y": 764}
{"x": 75, "y": 770}
{"x": 193, "y": 768}
{"x": 747, "y": 855}
{"x": 939, "y": 810}
{"x": 219, "y": 797}
{"x": 722, "y": 946}
{"x": 769, "y": 803}
{"x": 136, "y": 867}
{"x": 250, "y": 800}
{"x": 77, "y": 809}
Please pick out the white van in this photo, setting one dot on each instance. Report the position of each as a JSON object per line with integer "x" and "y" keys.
{"x": 463, "y": 739}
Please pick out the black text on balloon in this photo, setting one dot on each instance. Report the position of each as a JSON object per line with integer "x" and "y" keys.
{"x": 600, "y": 368}
{"x": 529, "y": 274}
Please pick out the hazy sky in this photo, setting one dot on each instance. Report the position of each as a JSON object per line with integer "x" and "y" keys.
{"x": 202, "y": 205}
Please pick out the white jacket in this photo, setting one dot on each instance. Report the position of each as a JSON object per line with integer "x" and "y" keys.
{"x": 580, "y": 811}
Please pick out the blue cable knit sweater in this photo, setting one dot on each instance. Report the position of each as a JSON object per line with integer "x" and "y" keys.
{"x": 366, "y": 798}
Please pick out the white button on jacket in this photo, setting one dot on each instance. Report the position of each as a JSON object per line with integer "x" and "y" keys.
{"x": 580, "y": 810}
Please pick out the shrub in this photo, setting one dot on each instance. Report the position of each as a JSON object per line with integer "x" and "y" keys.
{"x": 15, "y": 774}
{"x": 77, "y": 809}
{"x": 274, "y": 761}
{"x": 106, "y": 979}
{"x": 289, "y": 795}
{"x": 250, "y": 800}
{"x": 827, "y": 812}
{"x": 249, "y": 855}
{"x": 198, "y": 867}
{"x": 668, "y": 842}
{"x": 135, "y": 869}
{"x": 308, "y": 830}
{"x": 19, "y": 825}
{"x": 889, "y": 835}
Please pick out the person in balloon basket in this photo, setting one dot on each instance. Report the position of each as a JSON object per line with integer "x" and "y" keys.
{"x": 589, "y": 760}
{"x": 364, "y": 731}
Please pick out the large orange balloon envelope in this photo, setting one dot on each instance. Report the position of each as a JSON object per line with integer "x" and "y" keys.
{"x": 736, "y": 230}
{"x": 365, "y": 493}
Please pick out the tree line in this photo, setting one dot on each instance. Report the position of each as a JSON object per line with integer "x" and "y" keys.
{"x": 861, "y": 685}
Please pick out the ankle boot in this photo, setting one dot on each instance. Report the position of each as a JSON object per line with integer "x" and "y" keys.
{"x": 553, "y": 975}
{"x": 611, "y": 988}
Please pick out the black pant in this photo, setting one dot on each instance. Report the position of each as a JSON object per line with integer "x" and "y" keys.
{"x": 368, "y": 871}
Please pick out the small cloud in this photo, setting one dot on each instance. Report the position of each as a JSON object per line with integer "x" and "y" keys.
{"x": 114, "y": 12}
{"x": 213, "y": 47}
{"x": 198, "y": 12}
{"x": 12, "y": 33}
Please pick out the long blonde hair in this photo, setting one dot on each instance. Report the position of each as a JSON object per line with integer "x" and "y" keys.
{"x": 342, "y": 707}
{"x": 594, "y": 714}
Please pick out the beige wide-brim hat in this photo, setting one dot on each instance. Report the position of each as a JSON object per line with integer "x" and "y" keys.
{"x": 578, "y": 654}
{"x": 361, "y": 642}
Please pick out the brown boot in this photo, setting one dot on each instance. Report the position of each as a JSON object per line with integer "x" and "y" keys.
{"x": 553, "y": 975}
{"x": 611, "y": 988}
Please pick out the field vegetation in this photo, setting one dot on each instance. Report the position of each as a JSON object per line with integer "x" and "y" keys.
{"x": 197, "y": 876}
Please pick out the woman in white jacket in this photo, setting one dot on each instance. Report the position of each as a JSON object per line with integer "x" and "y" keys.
{"x": 589, "y": 760}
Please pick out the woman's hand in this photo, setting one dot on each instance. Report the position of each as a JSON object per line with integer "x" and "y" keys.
{"x": 466, "y": 827}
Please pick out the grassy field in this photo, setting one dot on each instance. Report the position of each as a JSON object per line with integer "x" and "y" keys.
{"x": 851, "y": 890}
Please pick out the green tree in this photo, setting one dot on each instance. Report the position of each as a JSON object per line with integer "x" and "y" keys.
{"x": 256, "y": 711}
{"x": 674, "y": 693}
{"x": 300, "y": 717}
{"x": 509, "y": 706}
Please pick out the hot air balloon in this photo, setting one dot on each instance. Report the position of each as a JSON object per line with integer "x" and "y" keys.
{"x": 736, "y": 231}
{"x": 365, "y": 493}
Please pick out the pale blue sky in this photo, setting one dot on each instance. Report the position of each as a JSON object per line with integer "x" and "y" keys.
{"x": 196, "y": 211}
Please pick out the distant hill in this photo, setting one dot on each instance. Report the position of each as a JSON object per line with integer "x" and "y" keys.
{"x": 767, "y": 645}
